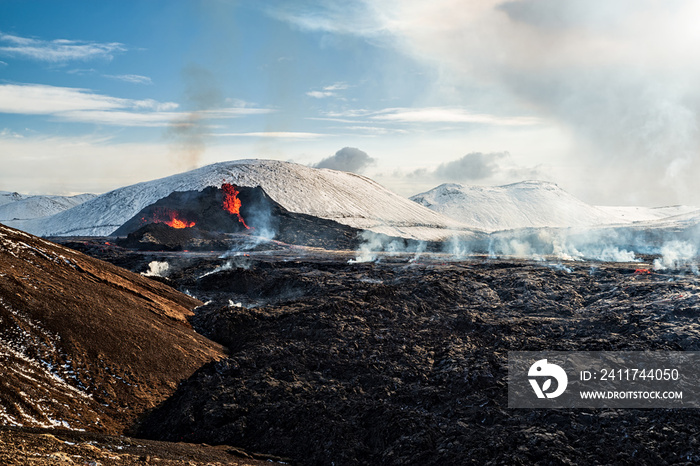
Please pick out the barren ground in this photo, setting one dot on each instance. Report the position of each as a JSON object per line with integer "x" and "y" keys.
{"x": 402, "y": 362}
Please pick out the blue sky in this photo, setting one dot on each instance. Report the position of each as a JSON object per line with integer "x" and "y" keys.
{"x": 597, "y": 96}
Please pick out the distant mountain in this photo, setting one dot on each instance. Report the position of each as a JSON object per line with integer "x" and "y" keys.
{"x": 85, "y": 344}
{"x": 529, "y": 204}
{"x": 649, "y": 214}
{"x": 15, "y": 206}
{"x": 347, "y": 198}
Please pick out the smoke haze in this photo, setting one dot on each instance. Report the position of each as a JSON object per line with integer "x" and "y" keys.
{"x": 189, "y": 133}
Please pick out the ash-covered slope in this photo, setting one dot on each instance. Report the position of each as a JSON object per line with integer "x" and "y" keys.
{"x": 529, "y": 204}
{"x": 15, "y": 206}
{"x": 347, "y": 198}
{"x": 85, "y": 344}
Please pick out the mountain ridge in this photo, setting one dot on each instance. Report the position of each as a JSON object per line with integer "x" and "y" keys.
{"x": 347, "y": 198}
{"x": 526, "y": 204}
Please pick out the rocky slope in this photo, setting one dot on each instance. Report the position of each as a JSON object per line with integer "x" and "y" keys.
{"x": 85, "y": 344}
{"x": 44, "y": 447}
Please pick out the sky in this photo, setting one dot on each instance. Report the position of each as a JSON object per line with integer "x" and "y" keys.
{"x": 598, "y": 96}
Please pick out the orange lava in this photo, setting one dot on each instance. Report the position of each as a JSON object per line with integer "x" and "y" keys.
{"x": 171, "y": 218}
{"x": 232, "y": 204}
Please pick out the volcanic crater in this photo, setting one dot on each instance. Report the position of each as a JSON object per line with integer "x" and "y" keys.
{"x": 216, "y": 218}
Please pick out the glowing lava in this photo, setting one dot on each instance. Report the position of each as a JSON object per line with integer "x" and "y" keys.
{"x": 171, "y": 218}
{"x": 231, "y": 202}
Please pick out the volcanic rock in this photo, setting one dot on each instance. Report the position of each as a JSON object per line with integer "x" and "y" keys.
{"x": 265, "y": 218}
{"x": 161, "y": 237}
{"x": 394, "y": 363}
{"x": 85, "y": 344}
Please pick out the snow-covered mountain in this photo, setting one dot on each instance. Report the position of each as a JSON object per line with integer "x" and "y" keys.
{"x": 347, "y": 198}
{"x": 647, "y": 214}
{"x": 15, "y": 206}
{"x": 528, "y": 204}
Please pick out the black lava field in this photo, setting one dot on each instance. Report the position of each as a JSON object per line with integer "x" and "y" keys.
{"x": 404, "y": 360}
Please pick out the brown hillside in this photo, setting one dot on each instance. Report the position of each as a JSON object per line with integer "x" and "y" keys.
{"x": 85, "y": 344}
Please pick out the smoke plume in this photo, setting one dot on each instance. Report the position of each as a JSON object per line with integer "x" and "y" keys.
{"x": 189, "y": 132}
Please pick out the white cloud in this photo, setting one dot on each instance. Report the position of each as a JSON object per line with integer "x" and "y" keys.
{"x": 84, "y": 106}
{"x": 120, "y": 118}
{"x": 131, "y": 78}
{"x": 448, "y": 115}
{"x": 59, "y": 50}
{"x": 320, "y": 94}
{"x": 429, "y": 115}
{"x": 339, "y": 86}
{"x": 8, "y": 133}
{"x": 82, "y": 71}
{"x": 374, "y": 130}
{"x": 274, "y": 135}
{"x": 41, "y": 99}
{"x": 329, "y": 91}
{"x": 349, "y": 159}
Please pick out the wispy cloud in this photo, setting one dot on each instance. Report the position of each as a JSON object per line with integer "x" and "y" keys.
{"x": 431, "y": 115}
{"x": 274, "y": 135}
{"x": 335, "y": 17}
{"x": 448, "y": 115}
{"x": 59, "y": 50}
{"x": 82, "y": 71}
{"x": 84, "y": 106}
{"x": 328, "y": 91}
{"x": 131, "y": 78}
{"x": 35, "y": 99}
{"x": 374, "y": 130}
{"x": 8, "y": 133}
{"x": 320, "y": 94}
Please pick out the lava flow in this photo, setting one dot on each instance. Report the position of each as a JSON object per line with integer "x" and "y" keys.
{"x": 231, "y": 202}
{"x": 171, "y": 218}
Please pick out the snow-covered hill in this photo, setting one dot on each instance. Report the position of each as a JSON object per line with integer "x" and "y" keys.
{"x": 15, "y": 206}
{"x": 529, "y": 204}
{"x": 347, "y": 198}
{"x": 646, "y": 214}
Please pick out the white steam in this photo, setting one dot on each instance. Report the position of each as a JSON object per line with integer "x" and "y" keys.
{"x": 374, "y": 244}
{"x": 157, "y": 269}
{"x": 676, "y": 255}
{"x": 234, "y": 262}
{"x": 677, "y": 248}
